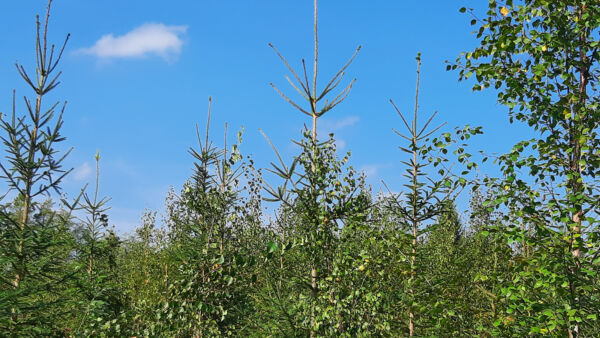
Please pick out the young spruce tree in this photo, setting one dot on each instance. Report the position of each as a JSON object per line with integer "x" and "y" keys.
{"x": 34, "y": 249}
{"x": 321, "y": 193}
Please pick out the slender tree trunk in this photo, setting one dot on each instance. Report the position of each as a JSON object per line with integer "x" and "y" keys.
{"x": 223, "y": 221}
{"x": 281, "y": 266}
{"x": 166, "y": 274}
{"x": 33, "y": 140}
{"x": 313, "y": 101}
{"x": 525, "y": 248}
{"x": 414, "y": 202}
{"x": 90, "y": 262}
{"x": 28, "y": 184}
{"x": 20, "y": 271}
{"x": 22, "y": 225}
{"x": 575, "y": 184}
{"x": 413, "y": 272}
{"x": 314, "y": 294}
{"x": 411, "y": 315}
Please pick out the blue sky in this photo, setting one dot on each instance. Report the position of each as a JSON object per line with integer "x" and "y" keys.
{"x": 138, "y": 73}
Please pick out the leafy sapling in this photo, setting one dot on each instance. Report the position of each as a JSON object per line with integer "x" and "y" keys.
{"x": 427, "y": 196}
{"x": 542, "y": 58}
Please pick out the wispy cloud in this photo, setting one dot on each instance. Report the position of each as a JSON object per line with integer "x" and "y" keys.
{"x": 147, "y": 39}
{"x": 124, "y": 219}
{"x": 83, "y": 172}
{"x": 326, "y": 127}
{"x": 372, "y": 170}
{"x": 340, "y": 144}
{"x": 335, "y": 125}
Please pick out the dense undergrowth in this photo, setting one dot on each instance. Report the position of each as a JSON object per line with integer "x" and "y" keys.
{"x": 334, "y": 259}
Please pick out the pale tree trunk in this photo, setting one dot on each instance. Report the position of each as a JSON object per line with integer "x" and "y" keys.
{"x": 411, "y": 315}
{"x": 413, "y": 259}
{"x": 415, "y": 222}
{"x": 28, "y": 185}
{"x": 313, "y": 102}
{"x": 575, "y": 185}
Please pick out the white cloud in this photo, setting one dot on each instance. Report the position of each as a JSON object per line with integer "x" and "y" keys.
{"x": 326, "y": 127}
{"x": 340, "y": 144}
{"x": 125, "y": 220}
{"x": 147, "y": 39}
{"x": 83, "y": 172}
{"x": 371, "y": 170}
{"x": 334, "y": 125}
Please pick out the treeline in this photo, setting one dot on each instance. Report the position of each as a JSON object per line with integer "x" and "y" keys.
{"x": 334, "y": 259}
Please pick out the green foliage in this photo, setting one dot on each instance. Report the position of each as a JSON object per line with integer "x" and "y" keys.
{"x": 34, "y": 239}
{"x": 33, "y": 306}
{"x": 542, "y": 58}
{"x": 326, "y": 199}
{"x": 332, "y": 259}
